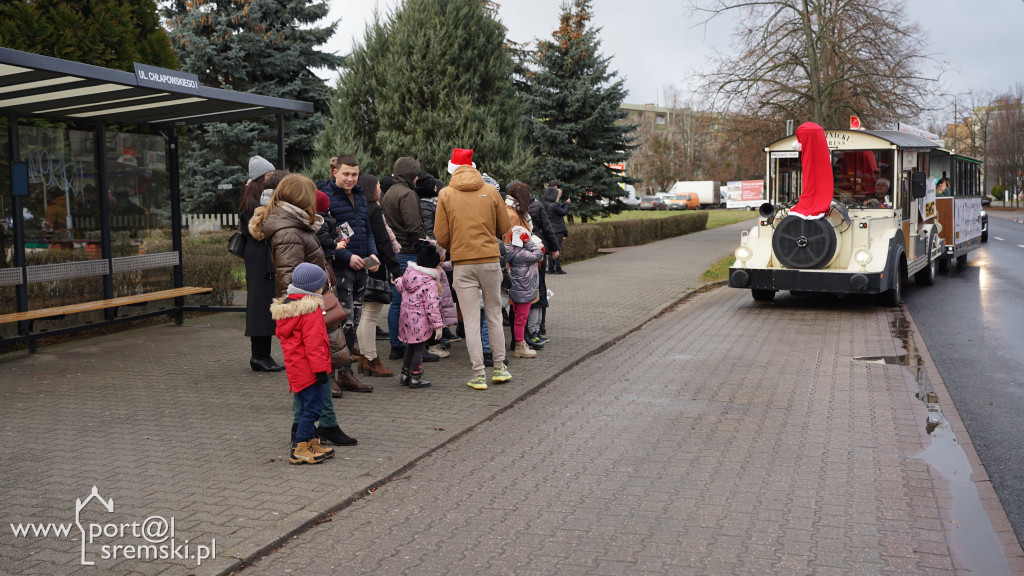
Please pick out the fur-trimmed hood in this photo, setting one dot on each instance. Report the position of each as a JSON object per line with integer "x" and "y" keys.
{"x": 288, "y": 307}
{"x": 256, "y": 222}
{"x": 432, "y": 272}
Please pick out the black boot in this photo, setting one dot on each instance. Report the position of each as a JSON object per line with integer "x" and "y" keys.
{"x": 417, "y": 380}
{"x": 404, "y": 378}
{"x": 334, "y": 435}
{"x": 397, "y": 353}
{"x": 295, "y": 428}
{"x": 264, "y": 364}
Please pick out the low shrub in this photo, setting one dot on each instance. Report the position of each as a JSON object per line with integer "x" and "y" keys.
{"x": 585, "y": 240}
{"x": 207, "y": 262}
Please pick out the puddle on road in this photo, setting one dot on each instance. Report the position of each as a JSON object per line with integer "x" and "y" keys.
{"x": 971, "y": 539}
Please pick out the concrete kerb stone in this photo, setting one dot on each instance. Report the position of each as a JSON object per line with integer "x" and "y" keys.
{"x": 269, "y": 539}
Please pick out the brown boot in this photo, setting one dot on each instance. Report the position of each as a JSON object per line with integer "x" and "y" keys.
{"x": 335, "y": 384}
{"x": 351, "y": 383}
{"x": 377, "y": 368}
{"x": 302, "y": 454}
{"x": 362, "y": 364}
{"x": 316, "y": 448}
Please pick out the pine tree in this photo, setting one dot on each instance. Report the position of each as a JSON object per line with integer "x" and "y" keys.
{"x": 267, "y": 47}
{"x": 433, "y": 76}
{"x": 109, "y": 33}
{"x": 573, "y": 103}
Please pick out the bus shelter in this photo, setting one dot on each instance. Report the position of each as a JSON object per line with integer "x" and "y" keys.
{"x": 92, "y": 218}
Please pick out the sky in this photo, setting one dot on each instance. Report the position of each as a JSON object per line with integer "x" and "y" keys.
{"x": 657, "y": 44}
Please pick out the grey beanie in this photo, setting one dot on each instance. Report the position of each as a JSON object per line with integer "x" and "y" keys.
{"x": 309, "y": 277}
{"x": 259, "y": 166}
{"x": 268, "y": 193}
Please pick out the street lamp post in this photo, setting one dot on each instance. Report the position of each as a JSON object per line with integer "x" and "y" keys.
{"x": 956, "y": 121}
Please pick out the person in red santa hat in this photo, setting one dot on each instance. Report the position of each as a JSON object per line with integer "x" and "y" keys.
{"x": 469, "y": 221}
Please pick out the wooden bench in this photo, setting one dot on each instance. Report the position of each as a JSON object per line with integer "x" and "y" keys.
{"x": 101, "y": 304}
{"x": 57, "y": 311}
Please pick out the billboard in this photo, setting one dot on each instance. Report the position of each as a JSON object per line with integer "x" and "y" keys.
{"x": 744, "y": 194}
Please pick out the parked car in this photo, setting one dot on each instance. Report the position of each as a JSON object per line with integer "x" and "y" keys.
{"x": 631, "y": 202}
{"x": 651, "y": 203}
{"x": 684, "y": 202}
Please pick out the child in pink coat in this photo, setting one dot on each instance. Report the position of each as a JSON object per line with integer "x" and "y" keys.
{"x": 420, "y": 316}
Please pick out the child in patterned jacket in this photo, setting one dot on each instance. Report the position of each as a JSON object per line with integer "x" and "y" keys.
{"x": 420, "y": 316}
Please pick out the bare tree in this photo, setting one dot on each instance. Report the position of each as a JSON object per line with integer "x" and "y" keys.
{"x": 820, "y": 60}
{"x": 675, "y": 142}
{"x": 1004, "y": 148}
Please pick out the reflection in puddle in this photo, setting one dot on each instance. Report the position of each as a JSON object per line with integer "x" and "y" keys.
{"x": 971, "y": 538}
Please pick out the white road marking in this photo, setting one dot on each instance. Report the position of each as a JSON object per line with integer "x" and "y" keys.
{"x": 998, "y": 238}
{"x": 1020, "y": 245}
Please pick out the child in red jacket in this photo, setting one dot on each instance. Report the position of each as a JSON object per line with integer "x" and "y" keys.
{"x": 307, "y": 356}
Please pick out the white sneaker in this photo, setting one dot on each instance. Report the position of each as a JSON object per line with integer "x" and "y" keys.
{"x": 437, "y": 349}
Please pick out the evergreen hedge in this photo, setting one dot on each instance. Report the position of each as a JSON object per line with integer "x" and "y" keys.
{"x": 585, "y": 240}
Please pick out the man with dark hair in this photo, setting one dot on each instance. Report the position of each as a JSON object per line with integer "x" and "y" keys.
{"x": 348, "y": 207}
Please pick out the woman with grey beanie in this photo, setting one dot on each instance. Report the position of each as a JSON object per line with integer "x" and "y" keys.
{"x": 259, "y": 270}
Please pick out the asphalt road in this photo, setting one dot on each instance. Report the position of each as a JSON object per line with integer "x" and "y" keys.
{"x": 973, "y": 324}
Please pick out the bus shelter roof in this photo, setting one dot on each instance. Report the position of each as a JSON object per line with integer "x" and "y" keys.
{"x": 43, "y": 87}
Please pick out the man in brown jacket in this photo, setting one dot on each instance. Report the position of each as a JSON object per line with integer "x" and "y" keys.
{"x": 470, "y": 218}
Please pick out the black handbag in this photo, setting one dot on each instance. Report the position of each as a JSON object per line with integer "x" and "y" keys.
{"x": 377, "y": 290}
{"x": 236, "y": 245}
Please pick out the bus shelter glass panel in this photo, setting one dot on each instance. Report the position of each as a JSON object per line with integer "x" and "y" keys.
{"x": 63, "y": 221}
{"x": 138, "y": 189}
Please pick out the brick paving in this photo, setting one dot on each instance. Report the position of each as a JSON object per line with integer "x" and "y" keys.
{"x": 723, "y": 437}
{"x": 659, "y": 462}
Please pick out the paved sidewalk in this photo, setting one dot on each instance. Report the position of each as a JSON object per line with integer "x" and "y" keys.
{"x": 726, "y": 450}
{"x": 170, "y": 421}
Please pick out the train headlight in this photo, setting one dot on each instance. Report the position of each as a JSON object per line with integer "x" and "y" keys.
{"x": 862, "y": 257}
{"x": 743, "y": 254}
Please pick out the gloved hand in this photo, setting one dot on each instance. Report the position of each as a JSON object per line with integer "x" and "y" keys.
{"x": 437, "y": 334}
{"x": 525, "y": 237}
{"x": 321, "y": 377}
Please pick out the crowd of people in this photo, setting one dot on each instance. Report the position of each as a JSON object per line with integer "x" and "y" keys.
{"x": 451, "y": 263}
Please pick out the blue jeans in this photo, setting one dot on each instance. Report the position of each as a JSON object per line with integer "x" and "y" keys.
{"x": 485, "y": 336}
{"x": 396, "y": 303}
{"x": 311, "y": 400}
{"x": 326, "y": 412}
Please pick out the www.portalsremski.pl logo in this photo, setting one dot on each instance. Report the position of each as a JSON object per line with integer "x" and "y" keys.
{"x": 150, "y": 539}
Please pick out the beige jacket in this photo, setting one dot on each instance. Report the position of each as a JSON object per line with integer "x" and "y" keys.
{"x": 470, "y": 218}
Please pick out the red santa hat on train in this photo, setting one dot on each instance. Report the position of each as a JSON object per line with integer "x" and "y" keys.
{"x": 816, "y": 161}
